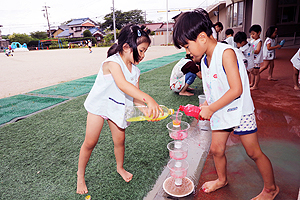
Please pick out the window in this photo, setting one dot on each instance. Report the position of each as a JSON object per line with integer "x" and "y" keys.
{"x": 235, "y": 14}
{"x": 240, "y": 13}
{"x": 287, "y": 12}
{"x": 229, "y": 14}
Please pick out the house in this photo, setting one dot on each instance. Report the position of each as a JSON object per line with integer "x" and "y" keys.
{"x": 76, "y": 27}
{"x": 59, "y": 30}
{"x": 3, "y": 42}
{"x": 160, "y": 30}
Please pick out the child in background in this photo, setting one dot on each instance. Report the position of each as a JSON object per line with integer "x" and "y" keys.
{"x": 116, "y": 86}
{"x": 296, "y": 63}
{"x": 247, "y": 49}
{"x": 229, "y": 37}
{"x": 183, "y": 75}
{"x": 255, "y": 31}
{"x": 216, "y": 28}
{"x": 269, "y": 51}
{"x": 228, "y": 100}
{"x": 90, "y": 46}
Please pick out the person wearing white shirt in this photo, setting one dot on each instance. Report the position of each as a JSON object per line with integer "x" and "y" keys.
{"x": 229, "y": 37}
{"x": 255, "y": 31}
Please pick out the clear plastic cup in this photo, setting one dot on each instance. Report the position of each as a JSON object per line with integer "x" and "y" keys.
{"x": 202, "y": 99}
{"x": 176, "y": 118}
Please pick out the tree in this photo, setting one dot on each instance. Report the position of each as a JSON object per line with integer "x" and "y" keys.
{"x": 18, "y": 37}
{"x": 87, "y": 33}
{"x": 123, "y": 18}
{"x": 39, "y": 35}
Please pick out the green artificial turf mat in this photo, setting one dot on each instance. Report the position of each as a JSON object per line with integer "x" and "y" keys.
{"x": 39, "y": 154}
{"x": 159, "y": 62}
{"x": 83, "y": 85}
{"x": 70, "y": 89}
{"x": 21, "y": 105}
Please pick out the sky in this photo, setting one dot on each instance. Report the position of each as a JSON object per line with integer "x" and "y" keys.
{"x": 19, "y": 16}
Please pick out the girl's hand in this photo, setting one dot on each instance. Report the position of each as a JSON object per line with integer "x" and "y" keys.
{"x": 205, "y": 112}
{"x": 154, "y": 109}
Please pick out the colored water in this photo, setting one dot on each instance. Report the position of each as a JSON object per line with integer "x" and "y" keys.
{"x": 178, "y": 172}
{"x": 143, "y": 118}
{"x": 178, "y": 135}
{"x": 178, "y": 155}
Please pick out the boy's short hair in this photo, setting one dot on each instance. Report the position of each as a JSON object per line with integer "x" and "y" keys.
{"x": 240, "y": 37}
{"x": 189, "y": 25}
{"x": 219, "y": 24}
{"x": 256, "y": 28}
{"x": 229, "y": 32}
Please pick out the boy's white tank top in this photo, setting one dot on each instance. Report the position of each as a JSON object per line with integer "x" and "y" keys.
{"x": 215, "y": 85}
{"x": 106, "y": 99}
{"x": 258, "y": 58}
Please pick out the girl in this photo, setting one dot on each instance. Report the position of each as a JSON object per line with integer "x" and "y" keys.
{"x": 116, "y": 86}
{"x": 269, "y": 51}
{"x": 228, "y": 100}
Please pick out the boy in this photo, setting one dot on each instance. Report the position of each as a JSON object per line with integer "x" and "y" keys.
{"x": 228, "y": 99}
{"x": 296, "y": 63}
{"x": 183, "y": 75}
{"x": 229, "y": 37}
{"x": 255, "y": 31}
{"x": 247, "y": 49}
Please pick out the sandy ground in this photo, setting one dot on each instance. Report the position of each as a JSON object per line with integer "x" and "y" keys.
{"x": 27, "y": 71}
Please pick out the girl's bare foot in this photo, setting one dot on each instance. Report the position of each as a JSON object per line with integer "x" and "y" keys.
{"x": 267, "y": 194}
{"x": 296, "y": 88}
{"x": 211, "y": 186}
{"x": 125, "y": 174}
{"x": 81, "y": 186}
{"x": 185, "y": 93}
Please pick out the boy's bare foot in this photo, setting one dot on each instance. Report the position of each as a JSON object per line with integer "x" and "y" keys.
{"x": 211, "y": 186}
{"x": 125, "y": 174}
{"x": 272, "y": 79}
{"x": 253, "y": 88}
{"x": 296, "y": 88}
{"x": 81, "y": 186}
{"x": 186, "y": 93}
{"x": 267, "y": 194}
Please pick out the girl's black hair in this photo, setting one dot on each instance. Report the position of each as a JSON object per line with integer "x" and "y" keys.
{"x": 132, "y": 35}
{"x": 189, "y": 25}
{"x": 240, "y": 37}
{"x": 270, "y": 31}
{"x": 256, "y": 28}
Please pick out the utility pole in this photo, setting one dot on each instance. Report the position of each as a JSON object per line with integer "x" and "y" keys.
{"x": 114, "y": 20}
{"x": 167, "y": 24}
{"x": 50, "y": 34}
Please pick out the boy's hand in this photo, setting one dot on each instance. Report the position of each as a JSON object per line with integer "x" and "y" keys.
{"x": 205, "y": 112}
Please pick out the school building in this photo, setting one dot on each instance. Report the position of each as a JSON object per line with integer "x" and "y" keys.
{"x": 240, "y": 15}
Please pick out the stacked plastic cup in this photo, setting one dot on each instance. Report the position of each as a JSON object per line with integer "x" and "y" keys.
{"x": 178, "y": 185}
